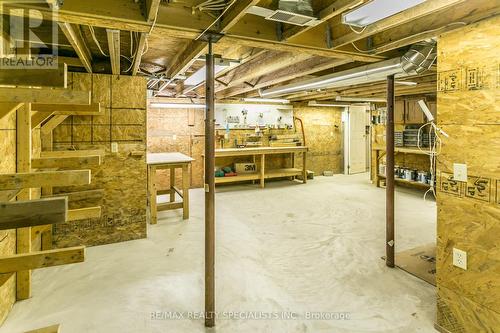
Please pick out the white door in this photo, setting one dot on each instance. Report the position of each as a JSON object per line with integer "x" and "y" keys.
{"x": 356, "y": 149}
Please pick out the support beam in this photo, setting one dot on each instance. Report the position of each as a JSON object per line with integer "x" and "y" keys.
{"x": 16, "y": 181}
{"x": 152, "y": 7}
{"x": 72, "y": 153}
{"x": 389, "y": 188}
{"x": 411, "y": 14}
{"x": 69, "y": 109}
{"x": 37, "y": 118}
{"x": 23, "y": 164}
{"x": 44, "y": 96}
{"x": 84, "y": 213}
{"x": 36, "y": 77}
{"x": 138, "y": 53}
{"x": 66, "y": 162}
{"x": 50, "y": 125}
{"x": 42, "y": 259}
{"x": 23, "y": 214}
{"x": 6, "y": 108}
{"x": 210, "y": 190}
{"x": 114, "y": 50}
{"x": 196, "y": 48}
{"x": 74, "y": 36}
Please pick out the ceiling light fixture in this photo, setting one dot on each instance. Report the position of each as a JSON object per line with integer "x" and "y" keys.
{"x": 266, "y": 100}
{"x": 406, "y": 83}
{"x": 359, "y": 99}
{"x": 376, "y": 10}
{"x": 329, "y": 104}
{"x": 177, "y": 105}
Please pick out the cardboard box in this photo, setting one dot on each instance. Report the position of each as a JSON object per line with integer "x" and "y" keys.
{"x": 245, "y": 168}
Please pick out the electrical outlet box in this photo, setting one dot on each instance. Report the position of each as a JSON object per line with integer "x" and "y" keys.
{"x": 114, "y": 147}
{"x": 174, "y": 137}
{"x": 459, "y": 258}
{"x": 460, "y": 172}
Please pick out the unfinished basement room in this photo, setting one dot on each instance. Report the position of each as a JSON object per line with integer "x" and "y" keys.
{"x": 250, "y": 166}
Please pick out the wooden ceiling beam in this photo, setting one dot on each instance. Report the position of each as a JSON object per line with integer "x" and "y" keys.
{"x": 114, "y": 50}
{"x": 197, "y": 48}
{"x": 75, "y": 38}
{"x": 152, "y": 8}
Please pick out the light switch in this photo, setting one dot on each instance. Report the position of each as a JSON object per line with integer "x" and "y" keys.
{"x": 460, "y": 172}
{"x": 114, "y": 147}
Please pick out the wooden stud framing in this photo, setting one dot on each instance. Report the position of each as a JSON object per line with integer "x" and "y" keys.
{"x": 23, "y": 235}
{"x": 6, "y": 108}
{"x": 74, "y": 36}
{"x": 49, "y": 126}
{"x": 72, "y": 153}
{"x": 46, "y": 96}
{"x": 84, "y": 213}
{"x": 114, "y": 50}
{"x": 18, "y": 181}
{"x": 138, "y": 53}
{"x": 66, "y": 162}
{"x": 36, "y": 77}
{"x": 23, "y": 214}
{"x": 41, "y": 259}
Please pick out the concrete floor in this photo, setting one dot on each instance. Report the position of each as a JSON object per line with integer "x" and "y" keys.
{"x": 289, "y": 248}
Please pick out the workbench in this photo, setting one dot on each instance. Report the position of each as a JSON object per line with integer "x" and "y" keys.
{"x": 262, "y": 174}
{"x": 171, "y": 161}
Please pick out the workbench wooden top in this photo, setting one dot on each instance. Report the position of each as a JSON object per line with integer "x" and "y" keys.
{"x": 259, "y": 150}
{"x": 167, "y": 158}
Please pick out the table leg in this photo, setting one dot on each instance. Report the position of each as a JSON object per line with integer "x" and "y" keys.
{"x": 304, "y": 167}
{"x": 153, "y": 219}
{"x": 172, "y": 184}
{"x": 185, "y": 191}
{"x": 262, "y": 170}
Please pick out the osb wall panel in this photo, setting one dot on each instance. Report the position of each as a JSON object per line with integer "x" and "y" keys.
{"x": 7, "y": 237}
{"x": 323, "y": 131}
{"x": 169, "y": 131}
{"x": 469, "y": 212}
{"x": 122, "y": 176}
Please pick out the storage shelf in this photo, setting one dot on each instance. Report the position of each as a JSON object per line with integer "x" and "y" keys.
{"x": 239, "y": 178}
{"x": 409, "y": 182}
{"x": 278, "y": 173}
{"x": 405, "y": 150}
{"x": 272, "y": 173}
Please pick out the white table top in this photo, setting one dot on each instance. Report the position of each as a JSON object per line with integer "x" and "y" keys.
{"x": 167, "y": 158}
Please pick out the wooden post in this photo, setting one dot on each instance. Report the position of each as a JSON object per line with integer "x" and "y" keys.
{"x": 262, "y": 170}
{"x": 185, "y": 191}
{"x": 172, "y": 184}
{"x": 210, "y": 190}
{"x": 304, "y": 167}
{"x": 389, "y": 189}
{"x": 23, "y": 235}
{"x": 153, "y": 218}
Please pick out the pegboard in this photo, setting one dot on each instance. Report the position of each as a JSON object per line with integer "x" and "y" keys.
{"x": 246, "y": 116}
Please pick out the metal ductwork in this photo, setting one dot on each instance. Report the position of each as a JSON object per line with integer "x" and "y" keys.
{"x": 297, "y": 12}
{"x": 417, "y": 60}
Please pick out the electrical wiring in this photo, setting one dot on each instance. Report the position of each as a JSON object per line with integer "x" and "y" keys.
{"x": 356, "y": 31}
{"x": 92, "y": 33}
{"x": 433, "y": 151}
{"x": 216, "y": 20}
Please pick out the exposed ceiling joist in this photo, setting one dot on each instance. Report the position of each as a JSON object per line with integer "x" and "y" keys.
{"x": 74, "y": 36}
{"x": 114, "y": 49}
{"x": 196, "y": 48}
